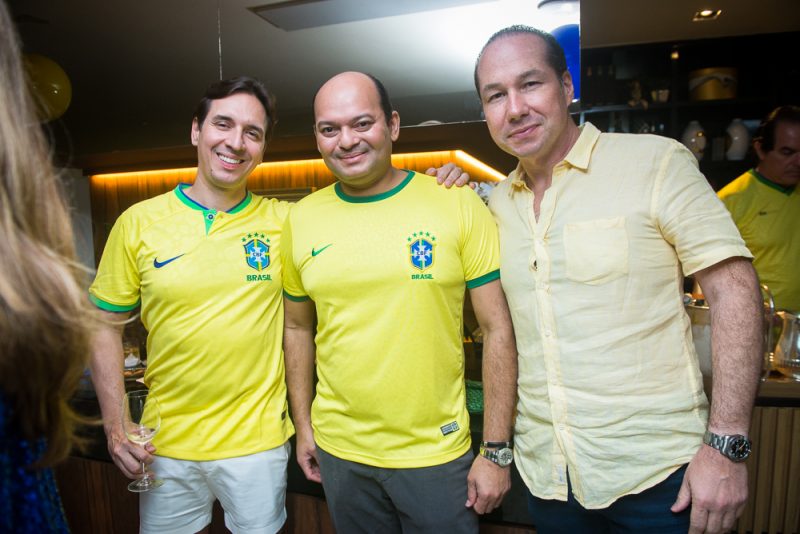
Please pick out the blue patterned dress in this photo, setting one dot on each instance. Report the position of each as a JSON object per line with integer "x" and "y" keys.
{"x": 29, "y": 501}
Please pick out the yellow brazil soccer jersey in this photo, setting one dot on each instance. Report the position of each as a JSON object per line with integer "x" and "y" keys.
{"x": 210, "y": 289}
{"x": 387, "y": 275}
{"x": 768, "y": 217}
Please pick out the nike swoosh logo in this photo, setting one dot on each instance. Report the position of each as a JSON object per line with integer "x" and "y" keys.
{"x": 315, "y": 252}
{"x": 159, "y": 264}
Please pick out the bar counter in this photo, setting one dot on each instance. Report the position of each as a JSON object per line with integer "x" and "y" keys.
{"x": 96, "y": 498}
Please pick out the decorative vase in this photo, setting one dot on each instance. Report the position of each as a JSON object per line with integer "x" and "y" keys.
{"x": 694, "y": 138}
{"x": 737, "y": 140}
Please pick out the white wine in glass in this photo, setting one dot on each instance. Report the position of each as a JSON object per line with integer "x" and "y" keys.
{"x": 141, "y": 419}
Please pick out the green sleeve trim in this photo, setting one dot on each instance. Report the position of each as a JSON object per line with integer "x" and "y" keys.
{"x": 295, "y": 299}
{"x": 107, "y": 306}
{"x": 483, "y": 280}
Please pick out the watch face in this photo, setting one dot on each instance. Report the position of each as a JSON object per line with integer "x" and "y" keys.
{"x": 505, "y": 457}
{"x": 739, "y": 449}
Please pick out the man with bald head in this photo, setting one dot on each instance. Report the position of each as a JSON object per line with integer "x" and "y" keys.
{"x": 381, "y": 260}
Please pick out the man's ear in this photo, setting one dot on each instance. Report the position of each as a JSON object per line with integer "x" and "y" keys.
{"x": 195, "y": 135}
{"x": 394, "y": 126}
{"x": 569, "y": 88}
{"x": 759, "y": 151}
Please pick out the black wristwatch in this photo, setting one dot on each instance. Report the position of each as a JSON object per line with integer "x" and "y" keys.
{"x": 499, "y": 452}
{"x": 734, "y": 447}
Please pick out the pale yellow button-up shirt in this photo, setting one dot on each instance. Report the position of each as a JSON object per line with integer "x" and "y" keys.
{"x": 609, "y": 384}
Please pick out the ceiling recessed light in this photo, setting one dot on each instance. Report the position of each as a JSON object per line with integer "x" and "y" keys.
{"x": 706, "y": 14}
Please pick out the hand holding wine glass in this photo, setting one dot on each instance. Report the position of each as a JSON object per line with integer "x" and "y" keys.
{"x": 141, "y": 419}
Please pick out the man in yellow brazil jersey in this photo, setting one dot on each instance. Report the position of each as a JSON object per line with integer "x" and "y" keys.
{"x": 381, "y": 260}
{"x": 214, "y": 330}
{"x": 204, "y": 263}
{"x": 765, "y": 205}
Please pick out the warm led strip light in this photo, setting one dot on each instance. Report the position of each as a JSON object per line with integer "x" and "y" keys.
{"x": 470, "y": 164}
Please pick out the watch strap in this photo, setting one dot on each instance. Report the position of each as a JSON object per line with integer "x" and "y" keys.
{"x": 496, "y": 444}
{"x": 502, "y": 456}
{"x": 735, "y": 447}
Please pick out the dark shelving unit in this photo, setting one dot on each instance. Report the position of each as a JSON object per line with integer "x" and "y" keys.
{"x": 767, "y": 76}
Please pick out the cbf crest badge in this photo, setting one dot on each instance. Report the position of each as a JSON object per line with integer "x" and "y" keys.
{"x": 422, "y": 250}
{"x": 256, "y": 250}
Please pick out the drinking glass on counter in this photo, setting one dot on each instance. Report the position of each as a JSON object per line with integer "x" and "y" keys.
{"x": 141, "y": 419}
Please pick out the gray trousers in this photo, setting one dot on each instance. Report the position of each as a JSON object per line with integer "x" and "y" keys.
{"x": 366, "y": 499}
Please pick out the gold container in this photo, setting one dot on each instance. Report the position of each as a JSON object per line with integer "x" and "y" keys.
{"x": 713, "y": 83}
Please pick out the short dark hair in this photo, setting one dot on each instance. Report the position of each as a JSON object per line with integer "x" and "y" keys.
{"x": 383, "y": 96}
{"x": 242, "y": 84}
{"x": 765, "y": 135}
{"x": 554, "y": 54}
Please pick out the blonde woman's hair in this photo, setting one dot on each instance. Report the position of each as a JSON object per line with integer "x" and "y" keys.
{"x": 44, "y": 311}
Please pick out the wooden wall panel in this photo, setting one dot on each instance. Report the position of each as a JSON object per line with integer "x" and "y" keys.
{"x": 791, "y": 523}
{"x": 96, "y": 498}
{"x": 774, "y": 473}
{"x": 307, "y": 515}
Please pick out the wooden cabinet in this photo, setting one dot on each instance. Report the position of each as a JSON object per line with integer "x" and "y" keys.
{"x": 96, "y": 497}
{"x": 774, "y": 472}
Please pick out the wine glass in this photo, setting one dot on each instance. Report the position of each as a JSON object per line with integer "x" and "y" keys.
{"x": 141, "y": 419}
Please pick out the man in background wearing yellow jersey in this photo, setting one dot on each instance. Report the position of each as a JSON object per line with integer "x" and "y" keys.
{"x": 382, "y": 258}
{"x": 765, "y": 205}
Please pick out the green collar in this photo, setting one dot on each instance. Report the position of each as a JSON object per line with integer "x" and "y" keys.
{"x": 183, "y": 197}
{"x": 785, "y": 189}
{"x": 373, "y": 198}
{"x": 209, "y": 214}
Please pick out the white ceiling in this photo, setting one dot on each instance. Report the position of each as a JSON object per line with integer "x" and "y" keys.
{"x": 138, "y": 67}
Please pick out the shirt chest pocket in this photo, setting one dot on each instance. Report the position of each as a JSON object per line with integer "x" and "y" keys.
{"x": 596, "y": 251}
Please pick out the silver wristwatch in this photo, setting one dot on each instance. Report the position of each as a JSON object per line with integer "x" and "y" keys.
{"x": 499, "y": 452}
{"x": 734, "y": 447}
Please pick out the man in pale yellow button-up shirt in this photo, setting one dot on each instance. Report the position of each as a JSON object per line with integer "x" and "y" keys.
{"x": 597, "y": 232}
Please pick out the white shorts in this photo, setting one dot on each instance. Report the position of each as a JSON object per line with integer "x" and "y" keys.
{"x": 251, "y": 490}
